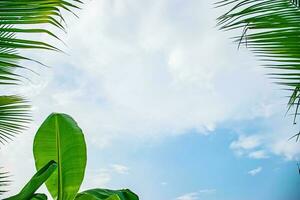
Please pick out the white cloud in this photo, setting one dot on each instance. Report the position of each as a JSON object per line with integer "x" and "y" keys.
{"x": 262, "y": 146}
{"x": 189, "y": 196}
{"x": 196, "y": 195}
{"x": 248, "y": 146}
{"x": 246, "y": 142}
{"x": 100, "y": 178}
{"x": 254, "y": 172}
{"x": 144, "y": 70}
{"x": 142, "y": 73}
{"x": 207, "y": 191}
{"x": 260, "y": 154}
{"x": 289, "y": 149}
{"x": 120, "y": 169}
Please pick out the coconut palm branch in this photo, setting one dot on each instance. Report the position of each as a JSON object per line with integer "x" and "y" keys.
{"x": 19, "y": 20}
{"x": 27, "y": 17}
{"x": 4, "y": 181}
{"x": 14, "y": 116}
{"x": 271, "y": 29}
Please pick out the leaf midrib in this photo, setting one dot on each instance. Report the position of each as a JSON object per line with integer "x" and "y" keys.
{"x": 58, "y": 158}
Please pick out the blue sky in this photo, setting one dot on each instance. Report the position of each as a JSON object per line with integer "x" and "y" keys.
{"x": 169, "y": 107}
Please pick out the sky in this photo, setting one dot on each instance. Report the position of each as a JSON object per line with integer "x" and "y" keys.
{"x": 169, "y": 106}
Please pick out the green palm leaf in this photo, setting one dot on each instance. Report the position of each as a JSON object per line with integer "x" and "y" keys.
{"x": 16, "y": 17}
{"x": 271, "y": 29}
{"x": 14, "y": 116}
{"x": 18, "y": 20}
{"x": 4, "y": 182}
{"x": 60, "y": 139}
{"x": 21, "y": 18}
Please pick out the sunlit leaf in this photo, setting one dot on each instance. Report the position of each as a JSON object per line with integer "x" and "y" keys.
{"x": 35, "y": 183}
{"x": 60, "y": 139}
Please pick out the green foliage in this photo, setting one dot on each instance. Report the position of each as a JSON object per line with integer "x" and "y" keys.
{"x": 27, "y": 17}
{"x": 4, "y": 181}
{"x": 60, "y": 139}
{"x": 271, "y": 29}
{"x": 35, "y": 182}
{"x": 39, "y": 197}
{"x": 14, "y": 115}
{"x": 20, "y": 20}
{"x": 105, "y": 194}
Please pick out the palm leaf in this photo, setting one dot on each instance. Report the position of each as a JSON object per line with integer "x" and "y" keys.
{"x": 24, "y": 18}
{"x": 271, "y": 29}
{"x": 14, "y": 116}
{"x": 15, "y": 18}
{"x": 4, "y": 182}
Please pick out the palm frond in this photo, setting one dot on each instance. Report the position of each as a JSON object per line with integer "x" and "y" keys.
{"x": 14, "y": 116}
{"x": 4, "y": 182}
{"x": 18, "y": 20}
{"x": 271, "y": 29}
{"x": 15, "y": 18}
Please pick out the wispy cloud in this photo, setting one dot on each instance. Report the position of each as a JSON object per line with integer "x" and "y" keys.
{"x": 251, "y": 146}
{"x": 207, "y": 191}
{"x": 189, "y": 196}
{"x": 246, "y": 142}
{"x": 120, "y": 169}
{"x": 100, "y": 178}
{"x": 255, "y": 171}
{"x": 103, "y": 176}
{"x": 141, "y": 83}
{"x": 260, "y": 154}
{"x": 290, "y": 150}
{"x": 141, "y": 73}
{"x": 196, "y": 195}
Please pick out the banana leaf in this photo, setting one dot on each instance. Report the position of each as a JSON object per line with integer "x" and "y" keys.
{"x": 60, "y": 139}
{"x": 105, "y": 194}
{"x": 35, "y": 183}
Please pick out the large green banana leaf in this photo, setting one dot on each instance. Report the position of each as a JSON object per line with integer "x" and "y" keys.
{"x": 39, "y": 197}
{"x": 35, "y": 182}
{"x": 60, "y": 139}
{"x": 105, "y": 194}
